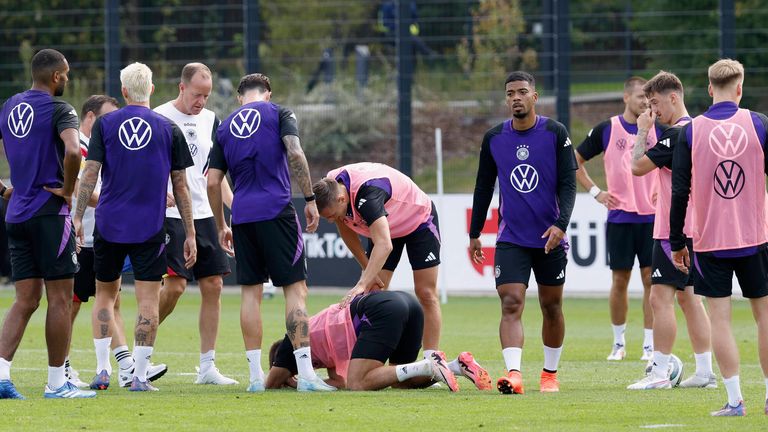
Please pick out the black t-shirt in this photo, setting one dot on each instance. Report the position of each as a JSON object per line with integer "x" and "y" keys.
{"x": 594, "y": 143}
{"x": 370, "y": 201}
{"x": 661, "y": 153}
{"x": 64, "y": 117}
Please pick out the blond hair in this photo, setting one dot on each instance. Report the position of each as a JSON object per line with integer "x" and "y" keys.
{"x": 725, "y": 72}
{"x": 136, "y": 78}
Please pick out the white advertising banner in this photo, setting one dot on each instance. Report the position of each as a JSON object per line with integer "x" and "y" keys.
{"x": 587, "y": 270}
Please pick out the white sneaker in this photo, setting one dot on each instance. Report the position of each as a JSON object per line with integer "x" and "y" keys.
{"x": 617, "y": 353}
{"x": 698, "y": 381}
{"x": 651, "y": 382}
{"x": 73, "y": 376}
{"x": 647, "y": 353}
{"x": 213, "y": 376}
{"x": 314, "y": 385}
{"x": 256, "y": 386}
{"x": 154, "y": 372}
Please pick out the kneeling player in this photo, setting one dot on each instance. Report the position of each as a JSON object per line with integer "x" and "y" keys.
{"x": 368, "y": 331}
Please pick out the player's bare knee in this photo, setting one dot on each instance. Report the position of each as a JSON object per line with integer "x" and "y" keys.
{"x": 512, "y": 305}
{"x": 620, "y": 279}
{"x": 27, "y": 304}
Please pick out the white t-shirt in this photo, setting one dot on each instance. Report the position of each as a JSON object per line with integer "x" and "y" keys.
{"x": 198, "y": 131}
{"x": 89, "y": 217}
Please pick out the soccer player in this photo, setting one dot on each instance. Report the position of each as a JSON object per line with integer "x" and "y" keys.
{"x": 353, "y": 340}
{"x": 188, "y": 112}
{"x": 131, "y": 209}
{"x": 85, "y": 278}
{"x": 720, "y": 164}
{"x": 256, "y": 144}
{"x": 386, "y": 206}
{"x": 665, "y": 97}
{"x": 533, "y": 159}
{"x": 631, "y": 210}
{"x": 39, "y": 134}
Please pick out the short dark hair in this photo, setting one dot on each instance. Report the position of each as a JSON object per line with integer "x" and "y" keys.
{"x": 633, "y": 81}
{"x": 190, "y": 69}
{"x": 273, "y": 352}
{"x": 254, "y": 81}
{"x": 662, "y": 83}
{"x": 94, "y": 104}
{"x": 325, "y": 190}
{"x": 520, "y": 76}
{"x": 45, "y": 63}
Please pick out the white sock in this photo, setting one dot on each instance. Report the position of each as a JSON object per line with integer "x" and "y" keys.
{"x": 512, "y": 357}
{"x": 123, "y": 357}
{"x": 455, "y": 367}
{"x": 5, "y": 369}
{"x": 428, "y": 354}
{"x": 704, "y": 364}
{"x": 648, "y": 338}
{"x": 552, "y": 358}
{"x": 410, "y": 370}
{"x": 618, "y": 334}
{"x": 734, "y": 390}
{"x": 660, "y": 364}
{"x": 304, "y": 363}
{"x": 102, "y": 355}
{"x": 254, "y": 364}
{"x": 141, "y": 356}
{"x": 206, "y": 361}
{"x": 56, "y": 377}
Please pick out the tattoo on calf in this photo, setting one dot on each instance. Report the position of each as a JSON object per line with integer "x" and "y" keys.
{"x": 103, "y": 315}
{"x": 104, "y": 330}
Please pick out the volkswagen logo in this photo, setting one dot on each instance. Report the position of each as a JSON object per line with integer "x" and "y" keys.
{"x": 728, "y": 140}
{"x": 729, "y": 179}
{"x": 20, "y": 119}
{"x": 245, "y": 123}
{"x": 135, "y": 133}
{"x": 524, "y": 178}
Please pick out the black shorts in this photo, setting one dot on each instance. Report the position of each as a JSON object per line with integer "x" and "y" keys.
{"x": 627, "y": 240}
{"x": 85, "y": 278}
{"x": 211, "y": 259}
{"x": 714, "y": 276}
{"x": 272, "y": 249}
{"x": 391, "y": 330}
{"x": 664, "y": 270}
{"x": 391, "y": 327}
{"x": 513, "y": 264}
{"x": 42, "y": 247}
{"x": 423, "y": 246}
{"x": 147, "y": 258}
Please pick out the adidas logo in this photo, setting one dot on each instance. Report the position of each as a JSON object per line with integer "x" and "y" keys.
{"x": 666, "y": 142}
{"x": 303, "y": 356}
{"x": 561, "y": 275}
{"x": 430, "y": 257}
{"x": 656, "y": 273}
{"x": 404, "y": 369}
{"x": 568, "y": 141}
{"x": 361, "y": 202}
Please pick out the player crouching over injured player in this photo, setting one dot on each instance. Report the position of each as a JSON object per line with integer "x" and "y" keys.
{"x": 353, "y": 343}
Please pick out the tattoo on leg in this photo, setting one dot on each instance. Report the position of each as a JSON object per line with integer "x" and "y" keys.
{"x": 298, "y": 320}
{"x": 141, "y": 337}
{"x": 103, "y": 315}
{"x": 142, "y": 320}
{"x": 104, "y": 330}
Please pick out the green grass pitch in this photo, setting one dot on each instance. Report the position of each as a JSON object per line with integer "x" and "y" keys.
{"x": 592, "y": 397}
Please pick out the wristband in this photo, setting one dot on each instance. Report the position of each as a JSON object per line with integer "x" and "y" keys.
{"x": 310, "y": 198}
{"x": 594, "y": 191}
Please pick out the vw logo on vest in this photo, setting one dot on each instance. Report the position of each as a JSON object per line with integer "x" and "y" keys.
{"x": 524, "y": 178}
{"x": 20, "y": 119}
{"x": 135, "y": 133}
{"x": 245, "y": 123}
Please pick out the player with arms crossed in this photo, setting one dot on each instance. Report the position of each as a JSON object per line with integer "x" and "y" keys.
{"x": 720, "y": 162}
{"x": 533, "y": 159}
{"x": 666, "y": 99}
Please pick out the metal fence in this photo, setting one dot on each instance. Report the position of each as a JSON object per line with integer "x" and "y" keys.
{"x": 336, "y": 63}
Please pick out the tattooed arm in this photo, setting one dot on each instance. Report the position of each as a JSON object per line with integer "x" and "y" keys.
{"x": 300, "y": 171}
{"x": 184, "y": 204}
{"x": 85, "y": 191}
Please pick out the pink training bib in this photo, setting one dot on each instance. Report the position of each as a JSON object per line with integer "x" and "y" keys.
{"x": 408, "y": 206}
{"x": 332, "y": 338}
{"x": 727, "y": 184}
{"x": 664, "y": 203}
{"x": 634, "y": 194}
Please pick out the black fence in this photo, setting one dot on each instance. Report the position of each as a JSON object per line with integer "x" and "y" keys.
{"x": 347, "y": 67}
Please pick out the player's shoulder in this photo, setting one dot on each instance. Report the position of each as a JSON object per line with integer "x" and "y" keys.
{"x": 495, "y": 130}
{"x": 61, "y": 106}
{"x": 553, "y": 125}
